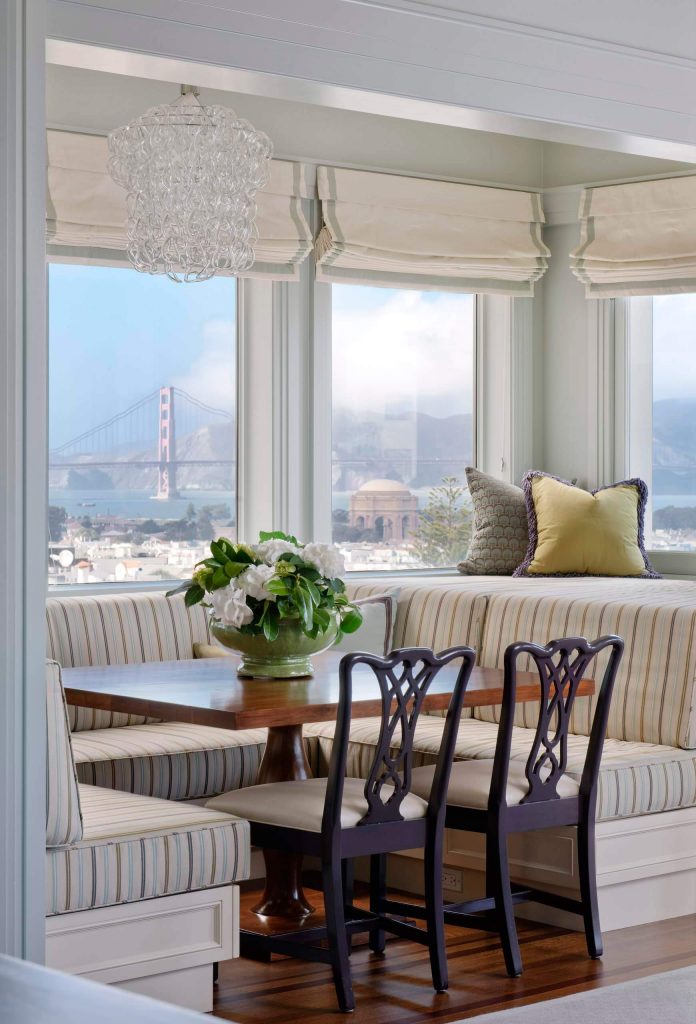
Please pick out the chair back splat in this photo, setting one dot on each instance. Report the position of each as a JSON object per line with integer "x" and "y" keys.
{"x": 561, "y": 665}
{"x": 403, "y": 679}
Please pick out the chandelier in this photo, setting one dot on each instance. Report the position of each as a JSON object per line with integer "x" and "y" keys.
{"x": 191, "y": 173}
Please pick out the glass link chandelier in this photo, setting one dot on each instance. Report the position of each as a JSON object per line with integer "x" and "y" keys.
{"x": 191, "y": 173}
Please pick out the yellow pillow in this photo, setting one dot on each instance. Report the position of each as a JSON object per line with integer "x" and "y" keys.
{"x": 573, "y": 532}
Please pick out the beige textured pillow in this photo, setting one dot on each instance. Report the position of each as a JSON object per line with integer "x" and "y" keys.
{"x": 500, "y": 538}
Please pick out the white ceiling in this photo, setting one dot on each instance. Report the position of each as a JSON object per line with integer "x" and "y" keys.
{"x": 95, "y": 101}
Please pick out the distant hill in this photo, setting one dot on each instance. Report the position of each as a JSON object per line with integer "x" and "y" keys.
{"x": 674, "y": 446}
{"x": 416, "y": 448}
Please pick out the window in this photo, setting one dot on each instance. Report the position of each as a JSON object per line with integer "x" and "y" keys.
{"x": 142, "y": 436}
{"x": 402, "y": 433}
{"x": 662, "y": 425}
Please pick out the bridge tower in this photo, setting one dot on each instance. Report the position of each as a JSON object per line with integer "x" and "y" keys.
{"x": 166, "y": 446}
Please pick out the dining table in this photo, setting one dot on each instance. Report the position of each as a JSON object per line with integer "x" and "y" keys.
{"x": 208, "y": 691}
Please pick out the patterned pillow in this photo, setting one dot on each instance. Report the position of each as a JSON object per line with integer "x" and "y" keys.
{"x": 501, "y": 536}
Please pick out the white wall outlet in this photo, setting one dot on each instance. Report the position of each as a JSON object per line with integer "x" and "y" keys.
{"x": 452, "y": 880}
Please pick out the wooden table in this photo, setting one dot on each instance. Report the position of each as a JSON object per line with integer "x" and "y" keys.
{"x": 209, "y": 692}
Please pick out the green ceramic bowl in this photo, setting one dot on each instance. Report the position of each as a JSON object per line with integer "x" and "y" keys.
{"x": 287, "y": 657}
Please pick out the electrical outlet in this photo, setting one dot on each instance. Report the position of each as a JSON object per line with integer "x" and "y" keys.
{"x": 452, "y": 880}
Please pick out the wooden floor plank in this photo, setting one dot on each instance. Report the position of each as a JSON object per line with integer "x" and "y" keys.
{"x": 396, "y": 988}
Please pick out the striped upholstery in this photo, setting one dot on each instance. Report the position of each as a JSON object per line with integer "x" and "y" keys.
{"x": 654, "y": 690}
{"x": 119, "y": 630}
{"x": 63, "y": 818}
{"x": 136, "y": 848}
{"x": 170, "y": 760}
{"x": 434, "y": 616}
{"x": 635, "y": 778}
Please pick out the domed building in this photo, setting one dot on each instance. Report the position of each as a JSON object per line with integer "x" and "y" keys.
{"x": 385, "y": 506}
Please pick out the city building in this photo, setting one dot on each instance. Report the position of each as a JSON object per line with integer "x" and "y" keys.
{"x": 387, "y": 508}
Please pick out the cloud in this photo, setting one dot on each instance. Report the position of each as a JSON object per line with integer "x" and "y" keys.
{"x": 674, "y": 346}
{"x": 212, "y": 375}
{"x": 413, "y": 350}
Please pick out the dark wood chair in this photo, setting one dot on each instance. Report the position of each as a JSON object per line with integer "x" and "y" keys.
{"x": 338, "y": 818}
{"x": 500, "y": 796}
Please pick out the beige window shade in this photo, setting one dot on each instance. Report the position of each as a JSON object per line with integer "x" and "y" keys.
{"x": 390, "y": 230}
{"x": 86, "y": 209}
{"x": 638, "y": 239}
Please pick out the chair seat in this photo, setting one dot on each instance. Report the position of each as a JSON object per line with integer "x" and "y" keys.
{"x": 470, "y": 784}
{"x": 300, "y": 805}
{"x": 136, "y": 847}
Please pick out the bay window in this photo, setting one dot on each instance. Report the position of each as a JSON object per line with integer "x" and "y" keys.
{"x": 142, "y": 434}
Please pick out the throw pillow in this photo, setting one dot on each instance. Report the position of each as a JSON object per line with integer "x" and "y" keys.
{"x": 500, "y": 535}
{"x": 374, "y": 636}
{"x": 573, "y": 532}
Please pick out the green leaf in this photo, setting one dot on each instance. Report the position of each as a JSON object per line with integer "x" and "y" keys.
{"x": 194, "y": 594}
{"x": 351, "y": 621}
{"x": 218, "y": 551}
{"x": 277, "y": 535}
{"x": 313, "y": 592}
{"x": 180, "y": 589}
{"x": 304, "y": 606}
{"x": 270, "y": 621}
{"x": 232, "y": 569}
{"x": 322, "y": 618}
{"x": 219, "y": 579}
{"x": 278, "y": 586}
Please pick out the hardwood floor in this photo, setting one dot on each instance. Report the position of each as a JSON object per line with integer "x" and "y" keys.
{"x": 396, "y": 988}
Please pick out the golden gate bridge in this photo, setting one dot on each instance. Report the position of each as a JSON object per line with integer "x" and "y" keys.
{"x": 148, "y": 434}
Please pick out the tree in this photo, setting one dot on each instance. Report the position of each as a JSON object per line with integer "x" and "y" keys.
{"x": 444, "y": 526}
{"x": 57, "y": 517}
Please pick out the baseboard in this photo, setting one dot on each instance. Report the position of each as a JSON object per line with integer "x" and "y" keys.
{"x": 151, "y": 946}
{"x": 646, "y": 868}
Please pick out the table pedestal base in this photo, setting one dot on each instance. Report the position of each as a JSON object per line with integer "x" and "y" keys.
{"x": 284, "y": 760}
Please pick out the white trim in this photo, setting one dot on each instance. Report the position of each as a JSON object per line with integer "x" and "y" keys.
{"x": 600, "y": 392}
{"x": 163, "y": 947}
{"x": 322, "y": 408}
{"x": 23, "y": 479}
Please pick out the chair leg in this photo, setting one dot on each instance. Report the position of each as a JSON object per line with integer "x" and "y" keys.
{"x": 588, "y": 889}
{"x": 435, "y": 918}
{"x": 348, "y": 877}
{"x": 378, "y": 891}
{"x": 336, "y": 933}
{"x": 498, "y": 886}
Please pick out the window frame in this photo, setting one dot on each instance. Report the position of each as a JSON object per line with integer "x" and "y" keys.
{"x": 633, "y": 328}
{"x": 133, "y": 586}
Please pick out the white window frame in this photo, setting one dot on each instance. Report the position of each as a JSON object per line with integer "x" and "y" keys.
{"x": 634, "y": 400}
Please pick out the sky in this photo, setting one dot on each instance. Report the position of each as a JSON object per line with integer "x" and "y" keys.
{"x": 674, "y": 346}
{"x": 116, "y": 335}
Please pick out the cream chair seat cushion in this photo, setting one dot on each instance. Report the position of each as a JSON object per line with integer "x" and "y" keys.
{"x": 470, "y": 784}
{"x": 300, "y": 804}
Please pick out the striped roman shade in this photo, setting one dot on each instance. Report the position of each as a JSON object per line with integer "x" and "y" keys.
{"x": 638, "y": 238}
{"x": 399, "y": 232}
{"x": 86, "y": 210}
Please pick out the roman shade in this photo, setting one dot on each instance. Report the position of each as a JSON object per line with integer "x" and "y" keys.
{"x": 400, "y": 232}
{"x": 86, "y": 210}
{"x": 638, "y": 238}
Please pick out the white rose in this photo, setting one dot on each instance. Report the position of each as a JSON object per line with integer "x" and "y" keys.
{"x": 326, "y": 559}
{"x": 271, "y": 550}
{"x": 230, "y": 607}
{"x": 253, "y": 582}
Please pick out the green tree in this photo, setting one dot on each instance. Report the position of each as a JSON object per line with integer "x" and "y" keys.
{"x": 444, "y": 525}
{"x": 57, "y": 517}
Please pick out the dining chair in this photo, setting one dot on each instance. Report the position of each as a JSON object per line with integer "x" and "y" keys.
{"x": 500, "y": 796}
{"x": 337, "y": 819}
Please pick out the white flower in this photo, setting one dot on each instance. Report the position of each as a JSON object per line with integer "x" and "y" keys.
{"x": 271, "y": 550}
{"x": 326, "y": 559}
{"x": 253, "y": 582}
{"x": 230, "y": 607}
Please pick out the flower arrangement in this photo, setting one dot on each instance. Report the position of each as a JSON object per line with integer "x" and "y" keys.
{"x": 256, "y": 588}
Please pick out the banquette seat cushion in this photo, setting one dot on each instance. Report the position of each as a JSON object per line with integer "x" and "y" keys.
{"x": 470, "y": 784}
{"x": 104, "y": 847}
{"x": 634, "y": 778}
